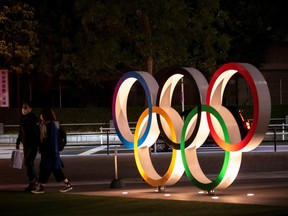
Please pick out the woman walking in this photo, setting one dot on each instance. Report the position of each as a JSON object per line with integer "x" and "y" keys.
{"x": 50, "y": 156}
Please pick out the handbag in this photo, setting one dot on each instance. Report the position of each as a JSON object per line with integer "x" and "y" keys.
{"x": 17, "y": 159}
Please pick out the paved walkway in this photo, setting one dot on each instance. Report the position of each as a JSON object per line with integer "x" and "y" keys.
{"x": 262, "y": 179}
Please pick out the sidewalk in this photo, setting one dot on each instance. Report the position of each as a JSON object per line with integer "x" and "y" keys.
{"x": 264, "y": 176}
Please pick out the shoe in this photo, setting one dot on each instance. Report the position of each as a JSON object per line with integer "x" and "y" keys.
{"x": 67, "y": 187}
{"x": 39, "y": 189}
{"x": 30, "y": 187}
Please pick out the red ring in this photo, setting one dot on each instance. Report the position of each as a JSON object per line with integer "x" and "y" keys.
{"x": 244, "y": 72}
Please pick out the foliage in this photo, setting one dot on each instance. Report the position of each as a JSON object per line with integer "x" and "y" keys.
{"x": 129, "y": 35}
{"x": 56, "y": 27}
{"x": 18, "y": 40}
{"x": 107, "y": 38}
{"x": 88, "y": 44}
{"x": 209, "y": 43}
{"x": 98, "y": 40}
{"x": 253, "y": 25}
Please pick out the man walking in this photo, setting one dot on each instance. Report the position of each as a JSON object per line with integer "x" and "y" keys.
{"x": 29, "y": 136}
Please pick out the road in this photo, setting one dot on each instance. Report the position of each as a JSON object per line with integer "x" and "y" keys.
{"x": 89, "y": 150}
{"x": 263, "y": 174}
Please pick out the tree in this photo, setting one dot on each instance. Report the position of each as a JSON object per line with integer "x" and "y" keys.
{"x": 253, "y": 26}
{"x": 18, "y": 40}
{"x": 147, "y": 35}
{"x": 89, "y": 42}
{"x": 56, "y": 29}
{"x": 209, "y": 43}
{"x": 132, "y": 33}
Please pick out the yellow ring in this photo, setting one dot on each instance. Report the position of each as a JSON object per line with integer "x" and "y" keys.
{"x": 142, "y": 153}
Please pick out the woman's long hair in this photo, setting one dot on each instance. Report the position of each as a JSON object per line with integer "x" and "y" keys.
{"x": 47, "y": 115}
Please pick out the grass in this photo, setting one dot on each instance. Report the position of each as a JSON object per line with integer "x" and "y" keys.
{"x": 14, "y": 203}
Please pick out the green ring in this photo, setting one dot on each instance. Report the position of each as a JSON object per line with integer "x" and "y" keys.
{"x": 217, "y": 181}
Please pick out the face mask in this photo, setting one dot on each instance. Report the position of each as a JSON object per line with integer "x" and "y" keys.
{"x": 24, "y": 111}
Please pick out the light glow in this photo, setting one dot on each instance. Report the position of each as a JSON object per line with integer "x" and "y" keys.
{"x": 250, "y": 194}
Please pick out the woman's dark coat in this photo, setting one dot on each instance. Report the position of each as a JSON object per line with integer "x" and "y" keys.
{"x": 50, "y": 156}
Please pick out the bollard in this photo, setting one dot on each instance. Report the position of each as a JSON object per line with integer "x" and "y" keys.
{"x": 108, "y": 143}
{"x": 101, "y": 139}
{"x": 116, "y": 183}
{"x": 1, "y": 128}
{"x": 283, "y": 132}
{"x": 275, "y": 146}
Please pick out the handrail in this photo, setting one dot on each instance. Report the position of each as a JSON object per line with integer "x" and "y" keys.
{"x": 275, "y": 132}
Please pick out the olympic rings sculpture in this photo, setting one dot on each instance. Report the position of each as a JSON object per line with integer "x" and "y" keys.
{"x": 185, "y": 136}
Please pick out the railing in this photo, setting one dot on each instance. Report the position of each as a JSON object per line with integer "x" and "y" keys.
{"x": 108, "y": 132}
{"x": 107, "y": 136}
{"x": 276, "y": 133}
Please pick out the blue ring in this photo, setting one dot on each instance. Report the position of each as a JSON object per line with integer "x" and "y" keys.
{"x": 142, "y": 81}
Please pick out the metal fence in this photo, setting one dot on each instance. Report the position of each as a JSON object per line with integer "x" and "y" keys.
{"x": 277, "y": 133}
{"x": 106, "y": 134}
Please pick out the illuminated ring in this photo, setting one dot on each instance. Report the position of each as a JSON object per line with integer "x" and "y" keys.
{"x": 148, "y": 125}
{"x": 261, "y": 98}
{"x": 143, "y": 160}
{"x": 164, "y": 100}
{"x": 119, "y": 104}
{"x": 231, "y": 164}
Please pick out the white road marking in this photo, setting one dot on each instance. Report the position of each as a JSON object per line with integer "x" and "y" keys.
{"x": 94, "y": 150}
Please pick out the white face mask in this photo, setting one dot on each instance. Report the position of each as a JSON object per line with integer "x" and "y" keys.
{"x": 25, "y": 111}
